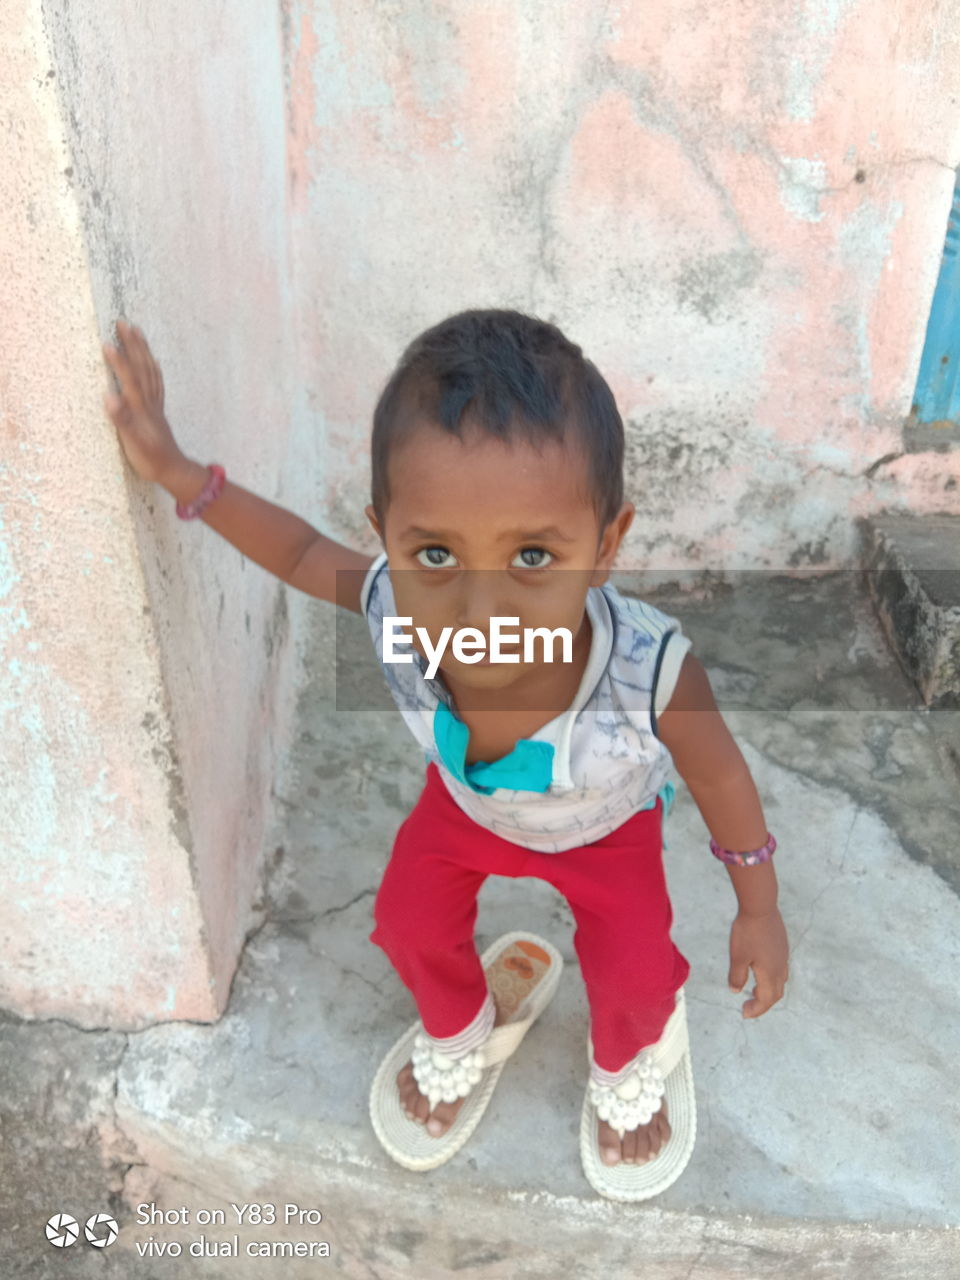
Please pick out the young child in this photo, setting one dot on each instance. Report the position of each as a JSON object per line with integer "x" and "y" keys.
{"x": 497, "y": 493}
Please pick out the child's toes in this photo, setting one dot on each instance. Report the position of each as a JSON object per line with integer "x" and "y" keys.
{"x": 408, "y": 1100}
{"x": 443, "y": 1117}
{"x": 632, "y": 1147}
{"x": 660, "y": 1134}
{"x": 415, "y": 1105}
{"x": 609, "y": 1145}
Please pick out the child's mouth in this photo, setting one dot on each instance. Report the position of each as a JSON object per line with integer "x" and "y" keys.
{"x": 487, "y": 660}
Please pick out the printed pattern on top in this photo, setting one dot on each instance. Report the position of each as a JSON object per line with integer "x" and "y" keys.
{"x": 607, "y": 762}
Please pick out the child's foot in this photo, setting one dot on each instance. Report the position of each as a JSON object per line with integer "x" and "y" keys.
{"x": 417, "y": 1107}
{"x": 638, "y": 1145}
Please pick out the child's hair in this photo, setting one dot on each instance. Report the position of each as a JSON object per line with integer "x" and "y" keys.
{"x": 513, "y": 375}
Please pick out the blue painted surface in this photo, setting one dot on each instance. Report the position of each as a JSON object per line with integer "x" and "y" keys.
{"x": 938, "y": 388}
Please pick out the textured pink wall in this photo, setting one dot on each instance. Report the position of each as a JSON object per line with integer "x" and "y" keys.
{"x": 83, "y": 806}
{"x": 149, "y": 672}
{"x": 738, "y": 212}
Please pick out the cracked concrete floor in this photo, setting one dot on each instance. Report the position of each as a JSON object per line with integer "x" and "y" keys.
{"x": 829, "y": 1129}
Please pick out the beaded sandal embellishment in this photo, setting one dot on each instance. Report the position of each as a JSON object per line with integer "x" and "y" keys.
{"x": 634, "y": 1100}
{"x": 440, "y": 1077}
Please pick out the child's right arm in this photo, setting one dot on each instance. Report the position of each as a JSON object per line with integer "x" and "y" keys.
{"x": 271, "y": 536}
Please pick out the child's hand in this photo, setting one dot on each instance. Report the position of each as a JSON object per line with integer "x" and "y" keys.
{"x": 760, "y": 942}
{"x": 137, "y": 412}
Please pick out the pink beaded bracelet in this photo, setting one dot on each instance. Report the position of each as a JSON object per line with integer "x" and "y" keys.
{"x": 750, "y": 859}
{"x": 208, "y": 493}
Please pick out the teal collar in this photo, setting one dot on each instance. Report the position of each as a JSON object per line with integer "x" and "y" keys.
{"x": 528, "y": 767}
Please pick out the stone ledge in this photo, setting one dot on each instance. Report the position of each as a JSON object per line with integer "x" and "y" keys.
{"x": 913, "y": 573}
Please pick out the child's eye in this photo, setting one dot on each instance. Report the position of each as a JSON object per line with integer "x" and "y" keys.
{"x": 433, "y": 564}
{"x": 534, "y": 551}
{"x": 436, "y": 555}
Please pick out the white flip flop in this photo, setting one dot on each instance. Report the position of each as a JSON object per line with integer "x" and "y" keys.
{"x": 523, "y": 971}
{"x": 671, "y": 1056}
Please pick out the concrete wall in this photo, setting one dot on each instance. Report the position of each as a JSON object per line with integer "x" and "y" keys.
{"x": 738, "y": 211}
{"x": 149, "y": 671}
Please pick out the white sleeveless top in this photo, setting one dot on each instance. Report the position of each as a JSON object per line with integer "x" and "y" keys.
{"x": 590, "y": 768}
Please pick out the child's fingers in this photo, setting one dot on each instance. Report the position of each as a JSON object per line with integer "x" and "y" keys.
{"x": 123, "y": 370}
{"x": 136, "y": 347}
{"x": 123, "y": 363}
{"x": 156, "y": 382}
{"x": 765, "y": 994}
{"x": 148, "y": 368}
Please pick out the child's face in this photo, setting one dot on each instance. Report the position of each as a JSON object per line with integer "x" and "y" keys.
{"x": 478, "y": 528}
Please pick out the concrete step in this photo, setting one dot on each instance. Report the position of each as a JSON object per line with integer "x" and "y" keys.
{"x": 913, "y": 572}
{"x": 829, "y": 1129}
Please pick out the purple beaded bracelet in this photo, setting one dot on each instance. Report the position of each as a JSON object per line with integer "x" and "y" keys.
{"x": 750, "y": 859}
{"x": 206, "y": 495}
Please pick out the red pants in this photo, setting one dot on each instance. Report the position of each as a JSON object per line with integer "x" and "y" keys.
{"x": 426, "y": 909}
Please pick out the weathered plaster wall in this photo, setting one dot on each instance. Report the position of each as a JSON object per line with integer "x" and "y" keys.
{"x": 148, "y": 670}
{"x": 737, "y": 210}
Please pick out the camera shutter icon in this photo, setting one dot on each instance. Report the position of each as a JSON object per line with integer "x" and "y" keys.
{"x": 100, "y": 1230}
{"x": 62, "y": 1230}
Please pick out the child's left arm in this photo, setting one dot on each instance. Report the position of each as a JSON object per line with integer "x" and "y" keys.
{"x": 710, "y": 763}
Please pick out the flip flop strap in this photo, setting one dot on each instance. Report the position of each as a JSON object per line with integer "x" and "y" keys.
{"x": 671, "y": 1046}
{"x": 437, "y": 1074}
{"x": 633, "y": 1101}
{"x": 503, "y": 1040}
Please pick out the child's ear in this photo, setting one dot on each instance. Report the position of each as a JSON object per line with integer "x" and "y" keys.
{"x": 613, "y": 535}
{"x": 371, "y": 515}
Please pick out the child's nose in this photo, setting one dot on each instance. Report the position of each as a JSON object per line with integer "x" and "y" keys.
{"x": 485, "y": 597}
